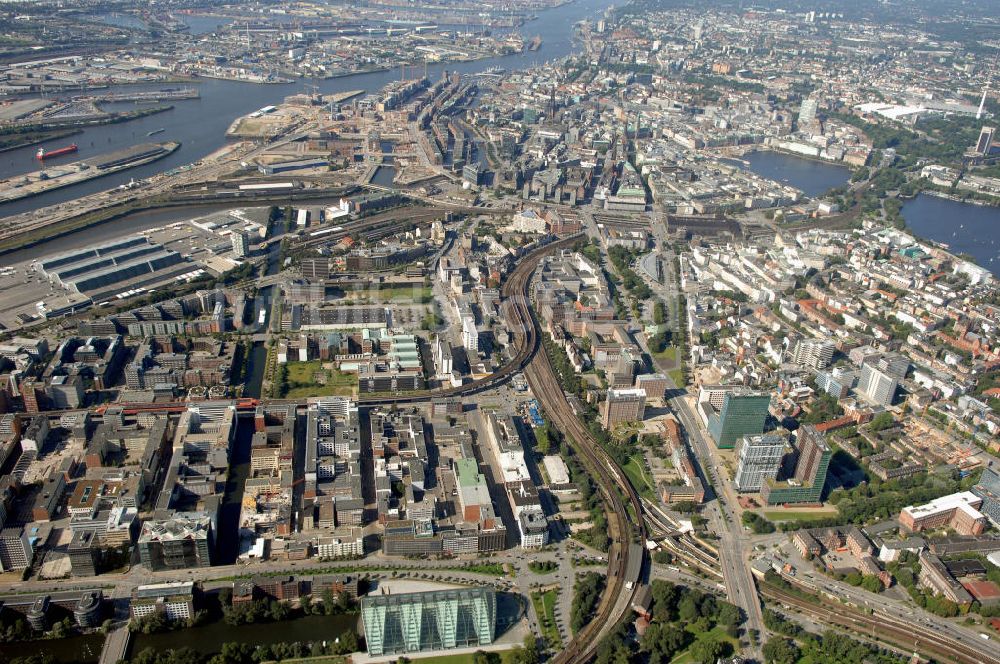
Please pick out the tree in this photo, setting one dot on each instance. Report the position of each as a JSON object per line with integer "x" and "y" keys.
{"x": 779, "y": 650}
{"x": 665, "y": 598}
{"x": 483, "y": 657}
{"x": 346, "y": 643}
{"x": 707, "y": 651}
{"x": 664, "y": 641}
{"x": 659, "y": 313}
{"x": 687, "y": 609}
{"x": 871, "y": 583}
{"x": 881, "y": 422}
{"x": 728, "y": 614}
{"x": 529, "y": 653}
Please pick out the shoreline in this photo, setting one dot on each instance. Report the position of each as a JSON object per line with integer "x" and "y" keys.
{"x": 168, "y": 149}
{"x": 36, "y": 141}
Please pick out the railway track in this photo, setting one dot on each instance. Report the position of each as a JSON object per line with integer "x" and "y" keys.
{"x": 519, "y": 319}
{"x": 884, "y": 628}
{"x": 611, "y": 481}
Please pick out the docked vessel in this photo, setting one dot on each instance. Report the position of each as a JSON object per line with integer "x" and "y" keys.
{"x": 48, "y": 154}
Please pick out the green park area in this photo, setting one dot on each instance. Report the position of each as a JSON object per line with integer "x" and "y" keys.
{"x": 668, "y": 354}
{"x": 715, "y": 635}
{"x": 545, "y": 609}
{"x": 298, "y": 380}
{"x": 639, "y": 476}
{"x": 801, "y": 515}
{"x": 387, "y": 294}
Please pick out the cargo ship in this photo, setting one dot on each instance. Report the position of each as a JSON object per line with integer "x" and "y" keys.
{"x": 46, "y": 154}
{"x": 535, "y": 43}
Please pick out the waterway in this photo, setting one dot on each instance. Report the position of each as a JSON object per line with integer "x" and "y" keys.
{"x": 200, "y": 124}
{"x": 227, "y": 542}
{"x": 73, "y": 650}
{"x": 208, "y": 639}
{"x": 811, "y": 176}
{"x": 201, "y": 25}
{"x": 965, "y": 228}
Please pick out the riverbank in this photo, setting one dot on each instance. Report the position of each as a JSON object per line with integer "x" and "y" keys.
{"x": 155, "y": 203}
{"x": 972, "y": 230}
{"x": 67, "y": 175}
{"x": 988, "y": 201}
{"x": 30, "y": 139}
{"x": 108, "y": 119}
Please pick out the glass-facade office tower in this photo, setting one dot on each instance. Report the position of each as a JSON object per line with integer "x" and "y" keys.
{"x": 742, "y": 414}
{"x": 435, "y": 620}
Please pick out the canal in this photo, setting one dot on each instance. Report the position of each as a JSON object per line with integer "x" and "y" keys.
{"x": 812, "y": 176}
{"x": 227, "y": 541}
{"x": 84, "y": 649}
{"x": 964, "y": 227}
{"x": 208, "y": 639}
{"x": 200, "y": 124}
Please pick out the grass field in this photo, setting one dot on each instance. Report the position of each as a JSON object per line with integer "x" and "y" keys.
{"x": 302, "y": 381}
{"x": 639, "y": 476}
{"x": 545, "y": 609}
{"x": 391, "y": 294}
{"x": 669, "y": 354}
{"x": 790, "y": 515}
{"x": 716, "y": 632}
{"x": 505, "y": 658}
{"x": 677, "y": 376}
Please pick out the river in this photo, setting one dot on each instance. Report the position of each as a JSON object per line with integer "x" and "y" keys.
{"x": 200, "y": 124}
{"x": 965, "y": 228}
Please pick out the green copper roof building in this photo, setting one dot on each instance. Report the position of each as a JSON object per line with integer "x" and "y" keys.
{"x": 435, "y": 620}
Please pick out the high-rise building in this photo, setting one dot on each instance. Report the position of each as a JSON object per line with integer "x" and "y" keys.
{"x": 814, "y": 353}
{"x": 470, "y": 334}
{"x": 65, "y": 392}
{"x": 807, "y": 112}
{"x": 985, "y": 142}
{"x": 241, "y": 244}
{"x": 654, "y": 384}
{"x": 814, "y": 456}
{"x": 877, "y": 386}
{"x": 837, "y": 383}
{"x": 623, "y": 406}
{"x": 809, "y": 476}
{"x": 435, "y": 620}
{"x": 743, "y": 413}
{"x": 83, "y": 553}
{"x": 16, "y": 551}
{"x": 33, "y": 394}
{"x": 759, "y": 461}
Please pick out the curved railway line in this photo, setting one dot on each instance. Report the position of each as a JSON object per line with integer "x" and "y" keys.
{"x": 612, "y": 482}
